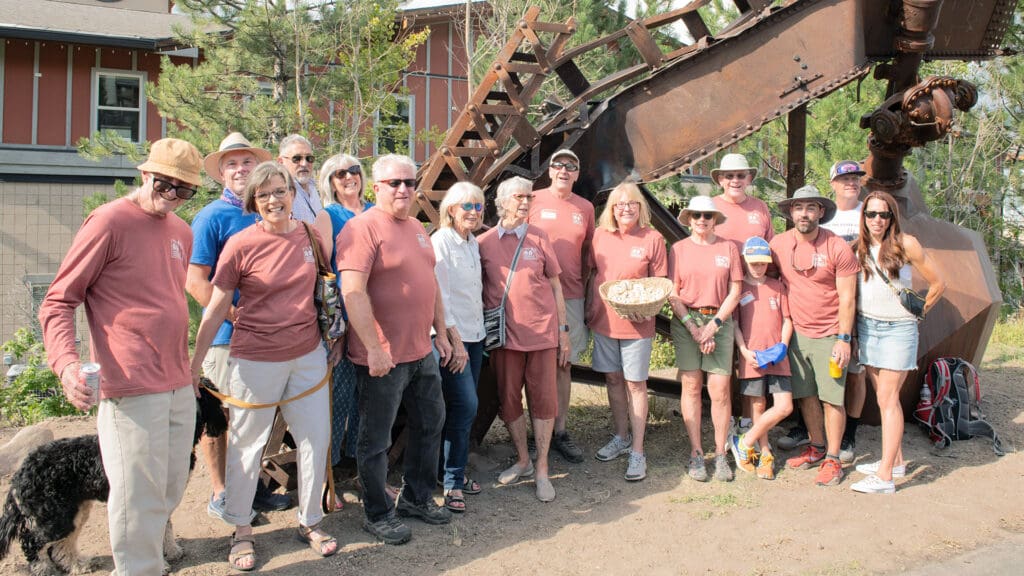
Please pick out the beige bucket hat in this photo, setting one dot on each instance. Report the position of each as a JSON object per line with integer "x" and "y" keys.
{"x": 700, "y": 204}
{"x": 174, "y": 158}
{"x": 233, "y": 142}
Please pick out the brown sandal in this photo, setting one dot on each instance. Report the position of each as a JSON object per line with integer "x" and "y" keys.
{"x": 317, "y": 539}
{"x": 236, "y": 556}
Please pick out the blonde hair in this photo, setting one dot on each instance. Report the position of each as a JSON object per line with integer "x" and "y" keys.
{"x": 259, "y": 177}
{"x": 459, "y": 192}
{"x": 631, "y": 191}
{"x": 326, "y": 186}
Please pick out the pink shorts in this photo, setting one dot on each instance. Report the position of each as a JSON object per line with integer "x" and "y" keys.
{"x": 537, "y": 370}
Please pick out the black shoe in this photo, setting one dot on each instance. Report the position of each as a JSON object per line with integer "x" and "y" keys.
{"x": 566, "y": 447}
{"x": 796, "y": 437}
{"x": 389, "y": 530}
{"x": 428, "y": 512}
{"x": 267, "y": 501}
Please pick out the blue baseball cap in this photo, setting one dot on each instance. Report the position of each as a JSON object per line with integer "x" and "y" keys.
{"x": 844, "y": 167}
{"x": 756, "y": 249}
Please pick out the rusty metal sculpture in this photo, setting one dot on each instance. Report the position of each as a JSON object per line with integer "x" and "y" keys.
{"x": 670, "y": 111}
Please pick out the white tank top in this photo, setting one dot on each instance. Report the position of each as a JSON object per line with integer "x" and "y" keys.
{"x": 875, "y": 299}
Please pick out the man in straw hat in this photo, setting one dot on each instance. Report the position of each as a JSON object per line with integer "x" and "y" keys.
{"x": 230, "y": 166}
{"x": 127, "y": 264}
{"x": 568, "y": 221}
{"x": 820, "y": 272}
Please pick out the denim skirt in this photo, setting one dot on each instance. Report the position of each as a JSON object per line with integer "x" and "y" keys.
{"x": 887, "y": 344}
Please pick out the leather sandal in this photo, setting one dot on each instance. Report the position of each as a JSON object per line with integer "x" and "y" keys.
{"x": 470, "y": 486}
{"x": 318, "y": 540}
{"x": 247, "y": 544}
{"x": 455, "y": 502}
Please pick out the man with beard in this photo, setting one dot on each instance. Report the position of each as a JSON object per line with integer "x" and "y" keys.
{"x": 296, "y": 155}
{"x": 820, "y": 273}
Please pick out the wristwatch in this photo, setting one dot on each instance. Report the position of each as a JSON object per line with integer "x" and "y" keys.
{"x": 564, "y": 327}
{"x": 717, "y": 321}
{"x": 844, "y": 338}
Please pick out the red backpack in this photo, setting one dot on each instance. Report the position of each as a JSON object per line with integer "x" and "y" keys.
{"x": 949, "y": 408}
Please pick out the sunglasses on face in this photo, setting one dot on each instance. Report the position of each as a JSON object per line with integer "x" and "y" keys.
{"x": 396, "y": 182}
{"x": 180, "y": 191}
{"x": 354, "y": 170}
{"x": 569, "y": 166}
{"x": 264, "y": 197}
{"x": 871, "y": 215}
{"x": 299, "y": 158}
{"x": 467, "y": 206}
{"x": 733, "y": 175}
{"x": 704, "y": 215}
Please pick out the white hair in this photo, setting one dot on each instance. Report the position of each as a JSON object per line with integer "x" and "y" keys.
{"x": 290, "y": 139}
{"x": 459, "y": 192}
{"x": 509, "y": 188}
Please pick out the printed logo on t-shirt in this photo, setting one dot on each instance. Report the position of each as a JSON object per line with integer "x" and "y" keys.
{"x": 177, "y": 252}
{"x": 529, "y": 253}
{"x": 753, "y": 218}
{"x": 747, "y": 298}
{"x": 424, "y": 243}
{"x": 577, "y": 218}
{"x": 637, "y": 252}
{"x": 548, "y": 214}
{"x": 722, "y": 261}
{"x": 819, "y": 260}
{"x": 773, "y": 302}
{"x": 307, "y": 253}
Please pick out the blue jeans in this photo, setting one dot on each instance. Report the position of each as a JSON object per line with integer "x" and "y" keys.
{"x": 415, "y": 385}
{"x": 460, "y": 404}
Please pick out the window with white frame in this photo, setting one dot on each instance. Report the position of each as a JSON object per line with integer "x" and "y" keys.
{"x": 395, "y": 129}
{"x": 119, "y": 103}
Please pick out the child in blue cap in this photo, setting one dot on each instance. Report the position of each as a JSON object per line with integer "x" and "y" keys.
{"x": 763, "y": 329}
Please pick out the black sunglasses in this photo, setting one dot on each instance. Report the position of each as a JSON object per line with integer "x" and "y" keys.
{"x": 569, "y": 166}
{"x": 354, "y": 170}
{"x": 704, "y": 215}
{"x": 396, "y": 182}
{"x": 181, "y": 191}
{"x": 871, "y": 214}
{"x": 299, "y": 158}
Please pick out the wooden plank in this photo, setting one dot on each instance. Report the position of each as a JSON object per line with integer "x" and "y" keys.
{"x": 645, "y": 44}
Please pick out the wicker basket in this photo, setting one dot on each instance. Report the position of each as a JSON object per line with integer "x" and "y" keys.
{"x": 643, "y": 309}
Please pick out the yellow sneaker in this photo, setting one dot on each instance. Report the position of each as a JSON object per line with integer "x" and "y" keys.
{"x": 766, "y": 466}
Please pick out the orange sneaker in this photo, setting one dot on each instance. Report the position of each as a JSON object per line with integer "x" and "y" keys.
{"x": 766, "y": 466}
{"x": 830, "y": 473}
{"x": 809, "y": 457}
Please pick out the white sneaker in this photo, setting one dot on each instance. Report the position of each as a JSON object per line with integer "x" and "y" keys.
{"x": 614, "y": 448}
{"x": 874, "y": 485}
{"x": 898, "y": 471}
{"x": 637, "y": 469}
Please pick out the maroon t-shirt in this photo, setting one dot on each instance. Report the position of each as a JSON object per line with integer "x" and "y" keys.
{"x": 760, "y": 315}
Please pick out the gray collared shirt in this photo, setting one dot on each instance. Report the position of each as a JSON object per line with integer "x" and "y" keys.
{"x": 307, "y": 202}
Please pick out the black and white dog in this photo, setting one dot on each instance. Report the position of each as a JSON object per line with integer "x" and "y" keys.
{"x": 53, "y": 490}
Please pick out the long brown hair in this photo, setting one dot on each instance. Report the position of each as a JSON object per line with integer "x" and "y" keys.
{"x": 891, "y": 256}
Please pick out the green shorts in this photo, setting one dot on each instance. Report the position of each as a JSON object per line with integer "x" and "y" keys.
{"x": 808, "y": 360}
{"x": 689, "y": 357}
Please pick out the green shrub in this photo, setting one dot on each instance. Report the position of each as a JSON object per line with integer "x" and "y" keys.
{"x": 36, "y": 394}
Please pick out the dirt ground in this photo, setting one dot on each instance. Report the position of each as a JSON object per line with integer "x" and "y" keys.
{"x": 950, "y": 503}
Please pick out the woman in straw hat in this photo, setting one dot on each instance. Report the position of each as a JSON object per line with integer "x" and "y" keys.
{"x": 706, "y": 272}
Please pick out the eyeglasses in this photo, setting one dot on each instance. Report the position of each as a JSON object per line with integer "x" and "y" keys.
{"x": 733, "y": 175}
{"x": 521, "y": 197}
{"x": 569, "y": 166}
{"x": 632, "y": 205}
{"x": 467, "y": 206}
{"x": 396, "y": 182}
{"x": 792, "y": 261}
{"x": 704, "y": 215}
{"x": 871, "y": 215}
{"x": 181, "y": 191}
{"x": 354, "y": 170}
{"x": 264, "y": 197}
{"x": 299, "y": 158}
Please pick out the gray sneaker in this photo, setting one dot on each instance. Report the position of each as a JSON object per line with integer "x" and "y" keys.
{"x": 637, "y": 469}
{"x": 389, "y": 530}
{"x": 566, "y": 447}
{"x": 614, "y": 448}
{"x": 428, "y": 511}
{"x": 697, "y": 470}
{"x": 723, "y": 472}
{"x": 847, "y": 451}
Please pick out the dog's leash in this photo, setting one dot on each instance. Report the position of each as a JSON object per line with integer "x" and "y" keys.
{"x": 253, "y": 406}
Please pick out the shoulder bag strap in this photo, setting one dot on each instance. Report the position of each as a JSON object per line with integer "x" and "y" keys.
{"x": 883, "y": 276}
{"x": 512, "y": 269}
{"x": 321, "y": 266}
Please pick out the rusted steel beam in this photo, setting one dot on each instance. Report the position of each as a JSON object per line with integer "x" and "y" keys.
{"x": 796, "y": 157}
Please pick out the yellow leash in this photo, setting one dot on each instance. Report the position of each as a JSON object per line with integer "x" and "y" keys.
{"x": 251, "y": 406}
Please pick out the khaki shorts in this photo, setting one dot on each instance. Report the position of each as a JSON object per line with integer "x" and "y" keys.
{"x": 579, "y": 334}
{"x": 689, "y": 357}
{"x": 808, "y": 360}
{"x": 215, "y": 366}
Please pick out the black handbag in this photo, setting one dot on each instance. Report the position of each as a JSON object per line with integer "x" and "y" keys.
{"x": 325, "y": 295}
{"x": 911, "y": 301}
{"x": 494, "y": 318}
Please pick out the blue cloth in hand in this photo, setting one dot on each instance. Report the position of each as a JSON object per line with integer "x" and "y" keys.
{"x": 770, "y": 356}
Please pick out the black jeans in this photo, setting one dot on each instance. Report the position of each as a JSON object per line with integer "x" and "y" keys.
{"x": 417, "y": 386}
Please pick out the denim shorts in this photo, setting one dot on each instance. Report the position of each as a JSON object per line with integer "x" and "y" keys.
{"x": 631, "y": 357}
{"x": 888, "y": 345}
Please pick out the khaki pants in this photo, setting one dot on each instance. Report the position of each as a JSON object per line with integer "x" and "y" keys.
{"x": 145, "y": 441}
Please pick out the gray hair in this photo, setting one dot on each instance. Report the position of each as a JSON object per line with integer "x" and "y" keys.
{"x": 509, "y": 188}
{"x": 387, "y": 161}
{"x": 290, "y": 139}
{"x": 459, "y": 192}
{"x": 330, "y": 166}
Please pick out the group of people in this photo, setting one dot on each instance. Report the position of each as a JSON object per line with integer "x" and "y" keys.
{"x": 415, "y": 307}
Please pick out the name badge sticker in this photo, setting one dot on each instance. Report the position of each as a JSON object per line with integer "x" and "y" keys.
{"x": 746, "y": 298}
{"x": 548, "y": 214}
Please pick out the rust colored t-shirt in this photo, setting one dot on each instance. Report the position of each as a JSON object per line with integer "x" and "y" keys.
{"x": 274, "y": 275}
{"x": 809, "y": 270}
{"x": 639, "y": 253}
{"x": 760, "y": 315}
{"x": 569, "y": 225}
{"x": 701, "y": 273}
{"x": 748, "y": 218}
{"x": 399, "y": 259}
{"x": 531, "y": 318}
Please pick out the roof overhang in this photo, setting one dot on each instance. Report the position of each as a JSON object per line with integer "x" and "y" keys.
{"x": 87, "y": 24}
